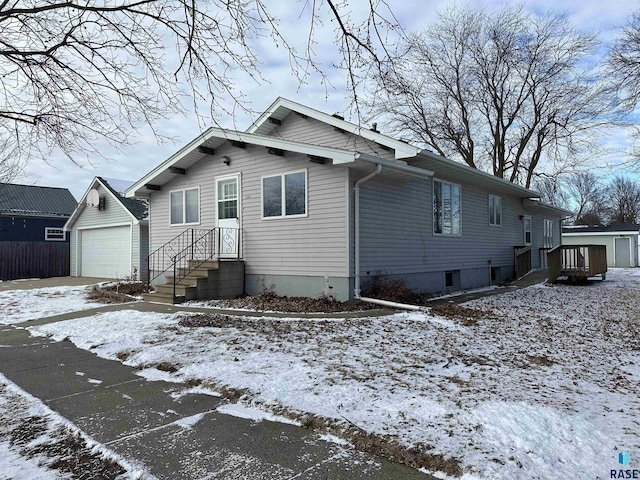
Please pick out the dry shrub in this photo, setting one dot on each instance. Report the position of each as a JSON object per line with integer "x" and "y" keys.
{"x": 393, "y": 289}
{"x": 120, "y": 292}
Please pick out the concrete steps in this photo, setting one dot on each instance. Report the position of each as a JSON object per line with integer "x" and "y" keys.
{"x": 208, "y": 280}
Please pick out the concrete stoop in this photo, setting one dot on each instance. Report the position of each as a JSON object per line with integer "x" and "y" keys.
{"x": 213, "y": 279}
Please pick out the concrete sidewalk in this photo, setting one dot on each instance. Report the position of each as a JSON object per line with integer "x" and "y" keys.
{"x": 173, "y": 434}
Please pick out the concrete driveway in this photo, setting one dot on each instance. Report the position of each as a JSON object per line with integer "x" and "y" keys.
{"x": 49, "y": 282}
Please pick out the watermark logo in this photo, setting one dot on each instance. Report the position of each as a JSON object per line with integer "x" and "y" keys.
{"x": 624, "y": 458}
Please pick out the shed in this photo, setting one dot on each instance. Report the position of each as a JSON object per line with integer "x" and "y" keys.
{"x": 621, "y": 241}
{"x": 109, "y": 233}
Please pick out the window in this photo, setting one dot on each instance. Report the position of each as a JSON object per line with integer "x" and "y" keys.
{"x": 452, "y": 280}
{"x": 284, "y": 195}
{"x": 53, "y": 234}
{"x": 527, "y": 230}
{"x": 446, "y": 208}
{"x": 185, "y": 206}
{"x": 495, "y": 210}
{"x": 547, "y": 239}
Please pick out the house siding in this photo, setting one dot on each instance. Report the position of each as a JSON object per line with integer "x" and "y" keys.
{"x": 396, "y": 235}
{"x": 90, "y": 217}
{"x": 305, "y": 247}
{"x": 16, "y": 228}
{"x": 309, "y": 130}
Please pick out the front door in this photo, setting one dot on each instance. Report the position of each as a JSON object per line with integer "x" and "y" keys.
{"x": 228, "y": 215}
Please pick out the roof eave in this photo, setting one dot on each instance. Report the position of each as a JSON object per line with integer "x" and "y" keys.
{"x": 516, "y": 189}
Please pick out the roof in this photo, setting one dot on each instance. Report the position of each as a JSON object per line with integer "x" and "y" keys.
{"x": 403, "y": 150}
{"x": 137, "y": 209}
{"x": 282, "y": 107}
{"x": 35, "y": 200}
{"x": 213, "y": 138}
{"x": 423, "y": 161}
{"x": 616, "y": 228}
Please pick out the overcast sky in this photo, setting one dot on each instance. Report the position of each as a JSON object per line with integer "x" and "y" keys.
{"x": 136, "y": 160}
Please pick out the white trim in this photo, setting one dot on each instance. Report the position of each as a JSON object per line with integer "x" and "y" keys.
{"x": 83, "y": 203}
{"x": 545, "y": 222}
{"x": 79, "y": 241}
{"x": 401, "y": 149}
{"x": 599, "y": 234}
{"x": 283, "y": 195}
{"x": 338, "y": 156}
{"x": 184, "y": 207}
{"x": 238, "y": 177}
{"x": 499, "y": 198}
{"x": 433, "y": 193}
{"x": 93, "y": 227}
{"x": 47, "y": 231}
{"x": 524, "y": 230}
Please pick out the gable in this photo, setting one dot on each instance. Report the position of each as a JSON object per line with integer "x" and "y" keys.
{"x": 304, "y": 129}
{"x": 282, "y": 107}
{"x": 114, "y": 212}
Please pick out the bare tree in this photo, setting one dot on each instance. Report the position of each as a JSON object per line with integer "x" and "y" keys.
{"x": 624, "y": 63}
{"x": 587, "y": 195}
{"x": 624, "y": 200}
{"x": 508, "y": 92}
{"x": 552, "y": 190}
{"x": 76, "y": 76}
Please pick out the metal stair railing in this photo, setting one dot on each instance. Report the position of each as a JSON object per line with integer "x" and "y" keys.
{"x": 163, "y": 258}
{"x": 193, "y": 256}
{"x": 189, "y": 250}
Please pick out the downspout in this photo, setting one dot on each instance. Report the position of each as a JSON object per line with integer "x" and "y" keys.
{"x": 356, "y": 190}
{"x": 356, "y": 293}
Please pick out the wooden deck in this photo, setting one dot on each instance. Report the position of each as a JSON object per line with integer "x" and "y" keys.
{"x": 577, "y": 262}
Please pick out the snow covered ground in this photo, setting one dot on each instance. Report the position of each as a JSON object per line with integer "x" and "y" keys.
{"x": 537, "y": 383}
{"x": 38, "y": 444}
{"x": 21, "y": 305}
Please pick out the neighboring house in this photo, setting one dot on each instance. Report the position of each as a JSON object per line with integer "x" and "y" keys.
{"x": 34, "y": 214}
{"x": 323, "y": 205}
{"x": 33, "y": 243}
{"x": 621, "y": 242}
{"x": 109, "y": 233}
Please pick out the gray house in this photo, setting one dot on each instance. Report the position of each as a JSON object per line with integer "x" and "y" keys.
{"x": 309, "y": 203}
{"x": 109, "y": 233}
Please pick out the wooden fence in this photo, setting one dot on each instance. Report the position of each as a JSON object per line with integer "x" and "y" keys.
{"x": 33, "y": 260}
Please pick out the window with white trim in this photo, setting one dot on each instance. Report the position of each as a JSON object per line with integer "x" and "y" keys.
{"x": 284, "y": 195}
{"x": 185, "y": 206}
{"x": 527, "y": 230}
{"x": 446, "y": 208}
{"x": 547, "y": 239}
{"x": 495, "y": 210}
{"x": 54, "y": 234}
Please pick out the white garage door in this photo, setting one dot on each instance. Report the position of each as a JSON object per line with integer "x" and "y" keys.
{"x": 106, "y": 252}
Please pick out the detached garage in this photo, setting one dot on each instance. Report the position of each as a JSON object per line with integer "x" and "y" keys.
{"x": 109, "y": 234}
{"x": 621, "y": 242}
